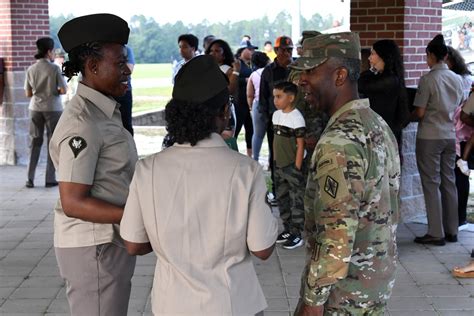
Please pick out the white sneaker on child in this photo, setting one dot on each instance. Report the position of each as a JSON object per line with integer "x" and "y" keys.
{"x": 462, "y": 164}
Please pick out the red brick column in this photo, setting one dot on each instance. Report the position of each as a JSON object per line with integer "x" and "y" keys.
{"x": 412, "y": 24}
{"x": 22, "y": 22}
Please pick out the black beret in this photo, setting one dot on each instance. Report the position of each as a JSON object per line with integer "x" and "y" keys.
{"x": 102, "y": 27}
{"x": 199, "y": 80}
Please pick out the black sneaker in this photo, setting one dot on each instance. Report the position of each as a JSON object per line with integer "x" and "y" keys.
{"x": 29, "y": 184}
{"x": 283, "y": 237}
{"x": 294, "y": 242}
{"x": 271, "y": 199}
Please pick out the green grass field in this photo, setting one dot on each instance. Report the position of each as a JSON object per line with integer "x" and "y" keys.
{"x": 153, "y": 91}
{"x": 146, "y": 96}
{"x": 150, "y": 71}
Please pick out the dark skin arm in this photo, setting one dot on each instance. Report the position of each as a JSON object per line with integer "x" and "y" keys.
{"x": 265, "y": 253}
{"x": 77, "y": 203}
{"x": 417, "y": 115}
{"x": 138, "y": 249}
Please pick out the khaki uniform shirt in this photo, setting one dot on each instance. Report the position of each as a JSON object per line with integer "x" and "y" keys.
{"x": 351, "y": 213}
{"x": 91, "y": 146}
{"x": 202, "y": 208}
{"x": 44, "y": 78}
{"x": 440, "y": 92}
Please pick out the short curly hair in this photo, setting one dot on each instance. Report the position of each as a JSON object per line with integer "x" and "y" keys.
{"x": 188, "y": 122}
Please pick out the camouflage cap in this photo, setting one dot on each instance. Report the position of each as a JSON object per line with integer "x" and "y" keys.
{"x": 316, "y": 50}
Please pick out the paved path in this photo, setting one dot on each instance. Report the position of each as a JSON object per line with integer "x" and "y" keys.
{"x": 30, "y": 282}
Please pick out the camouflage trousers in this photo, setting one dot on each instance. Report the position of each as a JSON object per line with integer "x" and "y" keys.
{"x": 377, "y": 310}
{"x": 290, "y": 186}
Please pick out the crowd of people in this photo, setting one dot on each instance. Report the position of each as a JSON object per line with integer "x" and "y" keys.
{"x": 334, "y": 131}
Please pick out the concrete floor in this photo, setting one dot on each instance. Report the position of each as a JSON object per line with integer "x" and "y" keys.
{"x": 30, "y": 282}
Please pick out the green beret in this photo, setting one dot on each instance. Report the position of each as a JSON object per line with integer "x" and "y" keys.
{"x": 199, "y": 80}
{"x": 102, "y": 27}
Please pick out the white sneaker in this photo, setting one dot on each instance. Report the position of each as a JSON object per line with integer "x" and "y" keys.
{"x": 462, "y": 165}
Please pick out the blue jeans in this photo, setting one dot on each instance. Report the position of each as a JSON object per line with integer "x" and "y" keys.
{"x": 260, "y": 121}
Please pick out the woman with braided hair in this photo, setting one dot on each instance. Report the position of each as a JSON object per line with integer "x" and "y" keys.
{"x": 95, "y": 157}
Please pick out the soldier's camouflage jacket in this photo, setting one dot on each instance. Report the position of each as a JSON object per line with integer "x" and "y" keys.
{"x": 351, "y": 213}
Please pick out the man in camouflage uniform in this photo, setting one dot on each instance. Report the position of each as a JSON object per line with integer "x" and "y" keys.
{"x": 315, "y": 120}
{"x": 351, "y": 200}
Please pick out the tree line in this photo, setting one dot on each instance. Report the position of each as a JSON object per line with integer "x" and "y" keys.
{"x": 155, "y": 43}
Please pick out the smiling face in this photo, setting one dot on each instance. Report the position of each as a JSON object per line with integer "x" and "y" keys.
{"x": 109, "y": 75}
{"x": 319, "y": 85}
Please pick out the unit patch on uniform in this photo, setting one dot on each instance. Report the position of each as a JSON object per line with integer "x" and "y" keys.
{"x": 331, "y": 186}
{"x": 77, "y": 145}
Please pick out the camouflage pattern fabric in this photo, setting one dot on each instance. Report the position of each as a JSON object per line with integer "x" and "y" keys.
{"x": 316, "y": 50}
{"x": 290, "y": 194}
{"x": 351, "y": 214}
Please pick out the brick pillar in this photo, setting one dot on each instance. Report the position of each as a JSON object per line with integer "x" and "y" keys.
{"x": 412, "y": 24}
{"x": 22, "y": 22}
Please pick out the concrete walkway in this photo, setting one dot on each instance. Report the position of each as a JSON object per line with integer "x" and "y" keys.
{"x": 30, "y": 282}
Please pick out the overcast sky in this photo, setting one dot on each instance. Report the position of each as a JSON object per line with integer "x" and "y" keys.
{"x": 194, "y": 11}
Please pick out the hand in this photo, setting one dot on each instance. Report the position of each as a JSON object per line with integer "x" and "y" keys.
{"x": 305, "y": 310}
{"x": 310, "y": 142}
{"x": 236, "y": 65}
{"x": 226, "y": 134}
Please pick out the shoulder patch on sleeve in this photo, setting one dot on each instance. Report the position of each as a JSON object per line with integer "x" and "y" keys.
{"x": 333, "y": 185}
{"x": 77, "y": 144}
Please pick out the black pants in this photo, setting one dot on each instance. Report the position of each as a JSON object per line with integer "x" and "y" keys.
{"x": 462, "y": 184}
{"x": 126, "y": 102}
{"x": 244, "y": 118}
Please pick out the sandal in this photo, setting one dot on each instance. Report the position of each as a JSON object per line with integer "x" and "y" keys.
{"x": 459, "y": 272}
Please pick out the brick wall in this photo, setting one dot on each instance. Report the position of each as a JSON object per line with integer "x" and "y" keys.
{"x": 412, "y": 24}
{"x": 22, "y": 22}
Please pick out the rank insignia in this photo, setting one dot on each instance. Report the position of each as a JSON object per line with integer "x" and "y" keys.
{"x": 331, "y": 186}
{"x": 77, "y": 145}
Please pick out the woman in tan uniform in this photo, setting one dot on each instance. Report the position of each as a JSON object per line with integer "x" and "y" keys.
{"x": 95, "y": 157}
{"x": 200, "y": 206}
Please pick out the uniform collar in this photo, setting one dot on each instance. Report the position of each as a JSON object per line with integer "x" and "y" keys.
{"x": 214, "y": 140}
{"x": 104, "y": 103}
{"x": 439, "y": 66}
{"x": 354, "y": 104}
